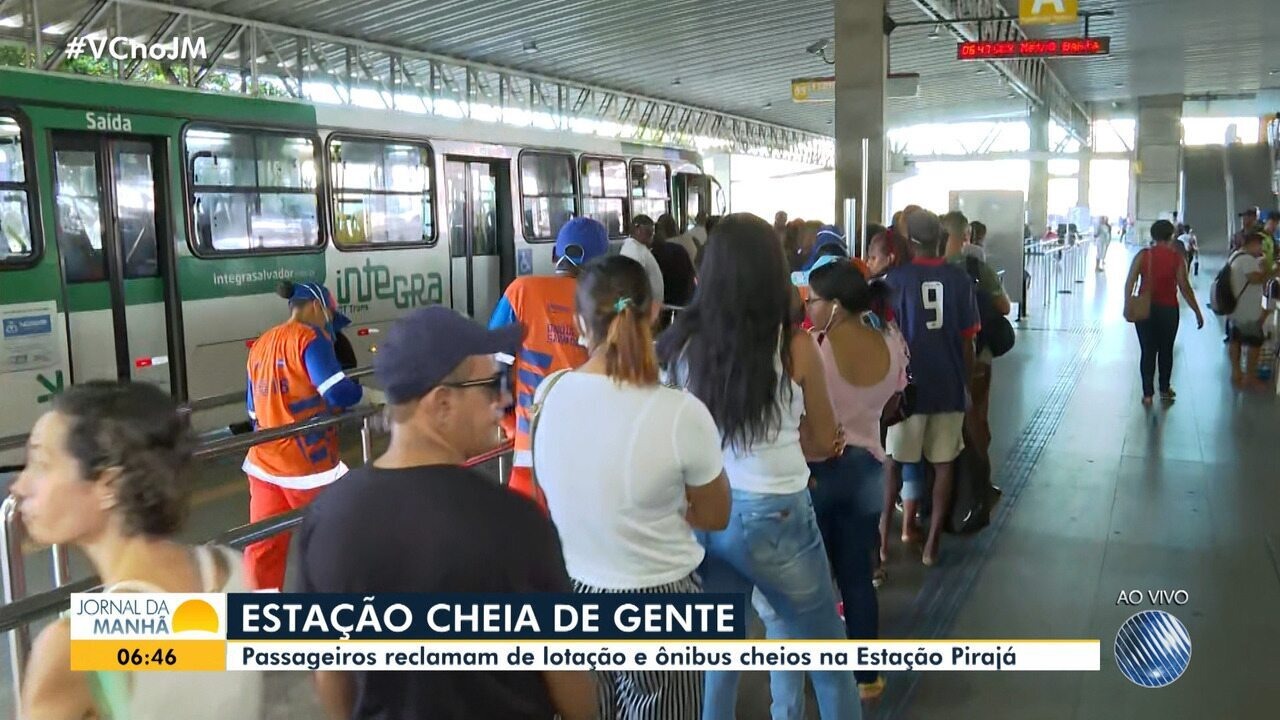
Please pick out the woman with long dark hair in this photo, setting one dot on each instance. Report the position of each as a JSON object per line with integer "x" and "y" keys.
{"x": 736, "y": 349}
{"x": 630, "y": 469}
{"x": 106, "y": 471}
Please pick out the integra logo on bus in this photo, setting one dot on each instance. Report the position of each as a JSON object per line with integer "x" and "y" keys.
{"x": 357, "y": 286}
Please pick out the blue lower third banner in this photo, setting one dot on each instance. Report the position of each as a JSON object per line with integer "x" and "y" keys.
{"x": 534, "y": 616}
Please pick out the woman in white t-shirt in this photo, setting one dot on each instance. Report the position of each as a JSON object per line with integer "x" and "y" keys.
{"x": 738, "y": 350}
{"x": 106, "y": 470}
{"x": 630, "y": 469}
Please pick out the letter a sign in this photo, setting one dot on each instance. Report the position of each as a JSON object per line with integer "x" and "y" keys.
{"x": 1048, "y": 12}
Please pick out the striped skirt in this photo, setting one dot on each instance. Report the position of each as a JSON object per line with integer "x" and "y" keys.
{"x": 650, "y": 694}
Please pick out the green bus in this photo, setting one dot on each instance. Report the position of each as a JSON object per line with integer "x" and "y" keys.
{"x": 143, "y": 229}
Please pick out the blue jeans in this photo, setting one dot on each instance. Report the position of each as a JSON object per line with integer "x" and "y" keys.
{"x": 847, "y": 502}
{"x": 773, "y": 544}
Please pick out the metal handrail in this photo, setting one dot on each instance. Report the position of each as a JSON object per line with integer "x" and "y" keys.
{"x": 16, "y": 442}
{"x": 232, "y": 398}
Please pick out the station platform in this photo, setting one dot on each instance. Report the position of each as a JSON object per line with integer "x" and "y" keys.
{"x": 1101, "y": 495}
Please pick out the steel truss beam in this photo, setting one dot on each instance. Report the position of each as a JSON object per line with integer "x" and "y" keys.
{"x": 251, "y": 56}
{"x": 1030, "y": 76}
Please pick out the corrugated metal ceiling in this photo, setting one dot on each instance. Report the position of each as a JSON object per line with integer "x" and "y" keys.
{"x": 1179, "y": 47}
{"x": 738, "y": 56}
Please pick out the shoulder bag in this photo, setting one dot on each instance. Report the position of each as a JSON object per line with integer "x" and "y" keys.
{"x": 535, "y": 413}
{"x": 1137, "y": 306}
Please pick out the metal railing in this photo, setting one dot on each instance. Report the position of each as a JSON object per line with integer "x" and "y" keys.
{"x": 17, "y": 442}
{"x": 1056, "y": 266}
{"x": 19, "y": 611}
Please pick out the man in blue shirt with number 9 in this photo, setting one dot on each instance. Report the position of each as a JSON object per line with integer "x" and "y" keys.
{"x": 936, "y": 308}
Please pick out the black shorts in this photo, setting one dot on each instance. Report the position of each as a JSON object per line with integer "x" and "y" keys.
{"x": 1249, "y": 334}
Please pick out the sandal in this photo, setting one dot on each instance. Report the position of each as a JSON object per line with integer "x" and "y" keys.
{"x": 879, "y": 577}
{"x": 870, "y": 692}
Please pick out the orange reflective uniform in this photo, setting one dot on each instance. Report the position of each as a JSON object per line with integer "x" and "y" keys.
{"x": 284, "y": 394}
{"x": 288, "y": 473}
{"x": 545, "y": 306}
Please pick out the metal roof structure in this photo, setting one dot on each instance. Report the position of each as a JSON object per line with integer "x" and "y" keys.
{"x": 688, "y": 72}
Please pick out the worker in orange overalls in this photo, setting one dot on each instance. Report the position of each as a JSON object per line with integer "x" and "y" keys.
{"x": 294, "y": 375}
{"x": 544, "y": 304}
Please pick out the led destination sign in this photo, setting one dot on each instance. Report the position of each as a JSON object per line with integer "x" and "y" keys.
{"x": 1047, "y": 48}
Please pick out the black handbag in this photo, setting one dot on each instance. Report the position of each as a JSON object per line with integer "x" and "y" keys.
{"x": 900, "y": 406}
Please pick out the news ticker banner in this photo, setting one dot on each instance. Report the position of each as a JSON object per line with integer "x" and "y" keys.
{"x": 624, "y": 631}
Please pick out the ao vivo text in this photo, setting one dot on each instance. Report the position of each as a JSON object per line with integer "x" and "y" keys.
{"x": 1153, "y": 597}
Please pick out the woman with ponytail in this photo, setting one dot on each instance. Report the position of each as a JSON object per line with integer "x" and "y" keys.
{"x": 630, "y": 470}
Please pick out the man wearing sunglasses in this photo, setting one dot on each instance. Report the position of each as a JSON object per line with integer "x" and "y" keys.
{"x": 416, "y": 521}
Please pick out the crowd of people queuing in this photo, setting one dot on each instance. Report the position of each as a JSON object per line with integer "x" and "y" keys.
{"x": 758, "y": 443}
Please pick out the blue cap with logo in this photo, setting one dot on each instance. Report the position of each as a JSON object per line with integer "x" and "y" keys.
{"x": 309, "y": 291}
{"x": 581, "y": 240}
{"x": 423, "y": 347}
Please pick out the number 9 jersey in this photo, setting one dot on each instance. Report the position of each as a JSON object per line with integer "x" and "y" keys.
{"x": 934, "y": 304}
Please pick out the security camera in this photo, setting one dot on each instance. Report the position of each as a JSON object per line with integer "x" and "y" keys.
{"x": 819, "y": 47}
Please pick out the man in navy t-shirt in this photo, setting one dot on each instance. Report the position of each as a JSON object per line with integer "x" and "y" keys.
{"x": 935, "y": 306}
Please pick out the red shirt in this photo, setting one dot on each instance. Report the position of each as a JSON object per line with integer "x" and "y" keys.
{"x": 1159, "y": 266}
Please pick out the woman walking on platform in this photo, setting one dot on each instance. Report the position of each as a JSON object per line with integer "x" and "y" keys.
{"x": 1159, "y": 272}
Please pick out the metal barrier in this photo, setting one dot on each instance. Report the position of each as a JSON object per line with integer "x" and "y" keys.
{"x": 1056, "y": 267}
{"x": 19, "y": 611}
{"x": 17, "y": 442}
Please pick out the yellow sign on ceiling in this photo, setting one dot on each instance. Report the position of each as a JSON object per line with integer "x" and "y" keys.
{"x": 1048, "y": 12}
{"x": 820, "y": 89}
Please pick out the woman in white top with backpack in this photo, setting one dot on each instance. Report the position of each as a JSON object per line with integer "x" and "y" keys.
{"x": 106, "y": 472}
{"x": 630, "y": 470}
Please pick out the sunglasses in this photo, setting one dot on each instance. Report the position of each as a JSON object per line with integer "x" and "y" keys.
{"x": 496, "y": 384}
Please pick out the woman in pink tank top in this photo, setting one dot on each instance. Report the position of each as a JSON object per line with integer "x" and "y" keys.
{"x": 865, "y": 361}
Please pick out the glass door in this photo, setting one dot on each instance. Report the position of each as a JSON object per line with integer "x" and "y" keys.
{"x": 108, "y": 231}
{"x": 475, "y": 221}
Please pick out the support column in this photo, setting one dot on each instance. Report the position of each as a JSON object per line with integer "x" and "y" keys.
{"x": 1038, "y": 185}
{"x": 1082, "y": 185}
{"x": 1158, "y": 169}
{"x": 861, "y": 49}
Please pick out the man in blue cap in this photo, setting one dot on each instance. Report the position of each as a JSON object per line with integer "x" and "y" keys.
{"x": 544, "y": 305}
{"x": 445, "y": 396}
{"x": 294, "y": 375}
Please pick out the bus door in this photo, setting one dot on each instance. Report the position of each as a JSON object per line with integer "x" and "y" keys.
{"x": 697, "y": 194}
{"x": 480, "y": 232}
{"x": 115, "y": 248}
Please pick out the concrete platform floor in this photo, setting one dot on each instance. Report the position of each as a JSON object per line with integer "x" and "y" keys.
{"x": 1101, "y": 496}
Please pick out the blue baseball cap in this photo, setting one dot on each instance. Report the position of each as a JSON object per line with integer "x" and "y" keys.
{"x": 581, "y": 240}
{"x": 423, "y": 347}
{"x": 801, "y": 277}
{"x": 829, "y": 236}
{"x": 1271, "y": 215}
{"x": 309, "y": 291}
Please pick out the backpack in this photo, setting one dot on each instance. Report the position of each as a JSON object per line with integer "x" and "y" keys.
{"x": 1222, "y": 301}
{"x": 997, "y": 333}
